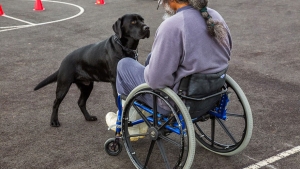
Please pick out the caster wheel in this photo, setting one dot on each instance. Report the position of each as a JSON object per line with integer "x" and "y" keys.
{"x": 113, "y": 147}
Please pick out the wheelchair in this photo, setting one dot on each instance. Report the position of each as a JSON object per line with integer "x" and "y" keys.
{"x": 170, "y": 139}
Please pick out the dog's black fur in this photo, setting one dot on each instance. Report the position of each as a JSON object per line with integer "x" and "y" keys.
{"x": 96, "y": 62}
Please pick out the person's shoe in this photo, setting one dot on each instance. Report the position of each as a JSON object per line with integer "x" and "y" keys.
{"x": 111, "y": 119}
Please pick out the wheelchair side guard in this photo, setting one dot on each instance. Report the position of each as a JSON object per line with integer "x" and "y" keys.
{"x": 221, "y": 110}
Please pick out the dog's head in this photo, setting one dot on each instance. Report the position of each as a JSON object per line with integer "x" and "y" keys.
{"x": 131, "y": 26}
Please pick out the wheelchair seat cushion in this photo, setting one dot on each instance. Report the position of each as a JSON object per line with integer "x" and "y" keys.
{"x": 199, "y": 86}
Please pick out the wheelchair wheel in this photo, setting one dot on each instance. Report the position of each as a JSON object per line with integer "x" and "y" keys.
{"x": 113, "y": 147}
{"x": 230, "y": 136}
{"x": 169, "y": 140}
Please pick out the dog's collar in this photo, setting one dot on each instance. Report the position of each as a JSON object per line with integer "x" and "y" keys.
{"x": 117, "y": 39}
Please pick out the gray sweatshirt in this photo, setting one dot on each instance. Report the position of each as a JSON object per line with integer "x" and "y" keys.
{"x": 182, "y": 46}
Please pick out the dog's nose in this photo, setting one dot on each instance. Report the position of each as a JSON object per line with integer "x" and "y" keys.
{"x": 145, "y": 28}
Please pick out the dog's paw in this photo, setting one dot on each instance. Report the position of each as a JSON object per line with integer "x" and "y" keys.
{"x": 91, "y": 118}
{"x": 55, "y": 123}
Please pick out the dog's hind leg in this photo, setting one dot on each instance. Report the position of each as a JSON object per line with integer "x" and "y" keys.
{"x": 85, "y": 93}
{"x": 61, "y": 92}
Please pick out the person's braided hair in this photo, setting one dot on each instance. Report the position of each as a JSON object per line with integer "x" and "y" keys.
{"x": 214, "y": 27}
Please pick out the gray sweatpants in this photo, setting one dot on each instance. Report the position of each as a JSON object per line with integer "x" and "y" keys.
{"x": 130, "y": 74}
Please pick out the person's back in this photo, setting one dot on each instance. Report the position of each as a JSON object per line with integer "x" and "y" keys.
{"x": 183, "y": 44}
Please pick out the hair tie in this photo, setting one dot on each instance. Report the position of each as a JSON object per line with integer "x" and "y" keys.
{"x": 203, "y": 9}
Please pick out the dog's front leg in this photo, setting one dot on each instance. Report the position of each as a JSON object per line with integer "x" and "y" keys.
{"x": 85, "y": 93}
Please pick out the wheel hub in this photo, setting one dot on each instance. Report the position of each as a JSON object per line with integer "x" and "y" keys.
{"x": 153, "y": 133}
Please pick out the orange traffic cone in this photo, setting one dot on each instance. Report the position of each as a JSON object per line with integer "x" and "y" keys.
{"x": 1, "y": 10}
{"x": 100, "y": 2}
{"x": 38, "y": 6}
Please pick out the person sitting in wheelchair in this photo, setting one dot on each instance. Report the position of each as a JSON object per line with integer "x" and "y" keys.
{"x": 193, "y": 43}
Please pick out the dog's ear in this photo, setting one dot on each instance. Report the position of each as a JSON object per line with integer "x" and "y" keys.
{"x": 140, "y": 17}
{"x": 117, "y": 27}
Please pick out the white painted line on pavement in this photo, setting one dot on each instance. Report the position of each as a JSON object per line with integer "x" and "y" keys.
{"x": 18, "y": 19}
{"x": 15, "y": 27}
{"x": 274, "y": 158}
{"x": 80, "y": 12}
{"x": 8, "y": 28}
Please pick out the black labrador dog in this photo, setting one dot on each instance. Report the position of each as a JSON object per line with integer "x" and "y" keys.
{"x": 96, "y": 62}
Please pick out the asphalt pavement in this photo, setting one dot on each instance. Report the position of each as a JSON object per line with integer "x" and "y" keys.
{"x": 265, "y": 62}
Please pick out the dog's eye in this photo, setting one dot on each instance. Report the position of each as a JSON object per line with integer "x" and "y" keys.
{"x": 133, "y": 22}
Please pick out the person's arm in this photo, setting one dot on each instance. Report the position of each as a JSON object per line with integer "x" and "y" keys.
{"x": 165, "y": 57}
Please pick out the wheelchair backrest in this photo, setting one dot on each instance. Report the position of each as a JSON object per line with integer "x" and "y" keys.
{"x": 201, "y": 92}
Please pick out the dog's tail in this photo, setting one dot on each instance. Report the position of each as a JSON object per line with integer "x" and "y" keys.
{"x": 50, "y": 79}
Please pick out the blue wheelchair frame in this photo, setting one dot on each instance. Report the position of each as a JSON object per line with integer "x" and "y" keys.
{"x": 219, "y": 111}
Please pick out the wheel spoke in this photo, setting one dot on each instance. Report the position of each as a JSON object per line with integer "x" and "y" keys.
{"x": 207, "y": 138}
{"x": 142, "y": 115}
{"x": 170, "y": 140}
{"x": 149, "y": 152}
{"x": 235, "y": 115}
{"x": 213, "y": 127}
{"x": 163, "y": 153}
{"x": 167, "y": 122}
{"x": 226, "y": 130}
{"x": 154, "y": 111}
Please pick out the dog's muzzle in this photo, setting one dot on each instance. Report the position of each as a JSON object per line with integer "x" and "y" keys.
{"x": 147, "y": 30}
